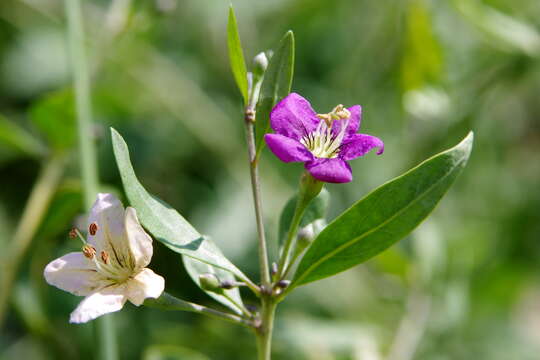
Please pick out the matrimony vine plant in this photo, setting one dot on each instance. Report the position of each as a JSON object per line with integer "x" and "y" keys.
{"x": 111, "y": 268}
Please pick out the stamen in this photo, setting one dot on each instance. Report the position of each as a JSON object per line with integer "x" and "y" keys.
{"x": 104, "y": 257}
{"x": 93, "y": 228}
{"x": 323, "y": 142}
{"x": 89, "y": 251}
{"x": 74, "y": 232}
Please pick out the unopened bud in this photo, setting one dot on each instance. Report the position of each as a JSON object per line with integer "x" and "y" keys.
{"x": 89, "y": 251}
{"x": 73, "y": 233}
{"x": 210, "y": 282}
{"x": 274, "y": 269}
{"x": 93, "y": 228}
{"x": 260, "y": 63}
{"x": 283, "y": 283}
{"x": 104, "y": 257}
{"x": 227, "y": 284}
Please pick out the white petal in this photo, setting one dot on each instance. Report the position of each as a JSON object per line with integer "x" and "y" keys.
{"x": 74, "y": 273}
{"x": 140, "y": 243}
{"x": 108, "y": 213}
{"x": 147, "y": 284}
{"x": 103, "y": 301}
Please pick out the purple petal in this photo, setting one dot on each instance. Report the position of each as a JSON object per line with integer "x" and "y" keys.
{"x": 333, "y": 170}
{"x": 359, "y": 145}
{"x": 287, "y": 149}
{"x": 293, "y": 117}
{"x": 353, "y": 123}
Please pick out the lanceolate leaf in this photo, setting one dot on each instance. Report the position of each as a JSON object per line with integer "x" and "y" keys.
{"x": 164, "y": 222}
{"x": 196, "y": 268}
{"x": 383, "y": 217}
{"x": 276, "y": 84}
{"x": 315, "y": 211}
{"x": 236, "y": 56}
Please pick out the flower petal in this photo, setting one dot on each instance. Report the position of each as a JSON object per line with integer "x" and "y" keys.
{"x": 293, "y": 117}
{"x": 287, "y": 149}
{"x": 100, "y": 302}
{"x": 108, "y": 213}
{"x": 359, "y": 145}
{"x": 73, "y": 273}
{"x": 353, "y": 122}
{"x": 147, "y": 284}
{"x": 140, "y": 243}
{"x": 333, "y": 170}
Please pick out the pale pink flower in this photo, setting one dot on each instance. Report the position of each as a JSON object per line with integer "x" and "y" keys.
{"x": 111, "y": 269}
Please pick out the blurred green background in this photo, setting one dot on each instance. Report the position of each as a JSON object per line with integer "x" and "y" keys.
{"x": 464, "y": 285}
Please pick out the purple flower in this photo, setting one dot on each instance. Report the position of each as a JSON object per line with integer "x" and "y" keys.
{"x": 324, "y": 142}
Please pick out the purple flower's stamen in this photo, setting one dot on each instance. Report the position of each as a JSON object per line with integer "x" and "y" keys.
{"x": 322, "y": 142}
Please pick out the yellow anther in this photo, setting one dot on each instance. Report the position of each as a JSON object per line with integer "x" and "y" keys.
{"x": 89, "y": 251}
{"x": 338, "y": 113}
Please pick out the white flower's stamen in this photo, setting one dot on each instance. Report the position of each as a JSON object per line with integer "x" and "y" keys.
{"x": 323, "y": 142}
{"x": 89, "y": 251}
{"x": 75, "y": 233}
{"x": 93, "y": 228}
{"x": 104, "y": 257}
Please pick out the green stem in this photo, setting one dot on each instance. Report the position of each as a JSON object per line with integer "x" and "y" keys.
{"x": 249, "y": 118}
{"x": 309, "y": 189}
{"x": 81, "y": 79}
{"x": 240, "y": 307}
{"x": 265, "y": 329}
{"x": 169, "y": 302}
{"x": 256, "y": 189}
{"x": 34, "y": 211}
{"x": 89, "y": 171}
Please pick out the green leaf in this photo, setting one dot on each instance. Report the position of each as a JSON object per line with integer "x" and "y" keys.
{"x": 383, "y": 217}
{"x": 316, "y": 210}
{"x": 236, "y": 55}
{"x": 276, "y": 85}
{"x": 164, "y": 222}
{"x": 18, "y": 139}
{"x": 196, "y": 268}
{"x": 54, "y": 116}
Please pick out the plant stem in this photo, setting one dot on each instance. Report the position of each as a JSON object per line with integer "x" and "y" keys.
{"x": 89, "y": 172}
{"x": 264, "y": 331}
{"x": 34, "y": 211}
{"x": 169, "y": 302}
{"x": 81, "y": 79}
{"x": 309, "y": 189}
{"x": 256, "y": 189}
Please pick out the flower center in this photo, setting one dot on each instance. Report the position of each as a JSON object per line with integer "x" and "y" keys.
{"x": 323, "y": 142}
{"x": 112, "y": 269}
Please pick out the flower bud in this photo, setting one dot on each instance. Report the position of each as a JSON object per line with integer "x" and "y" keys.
{"x": 274, "y": 269}
{"x": 260, "y": 63}
{"x": 283, "y": 283}
{"x": 227, "y": 284}
{"x": 210, "y": 282}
